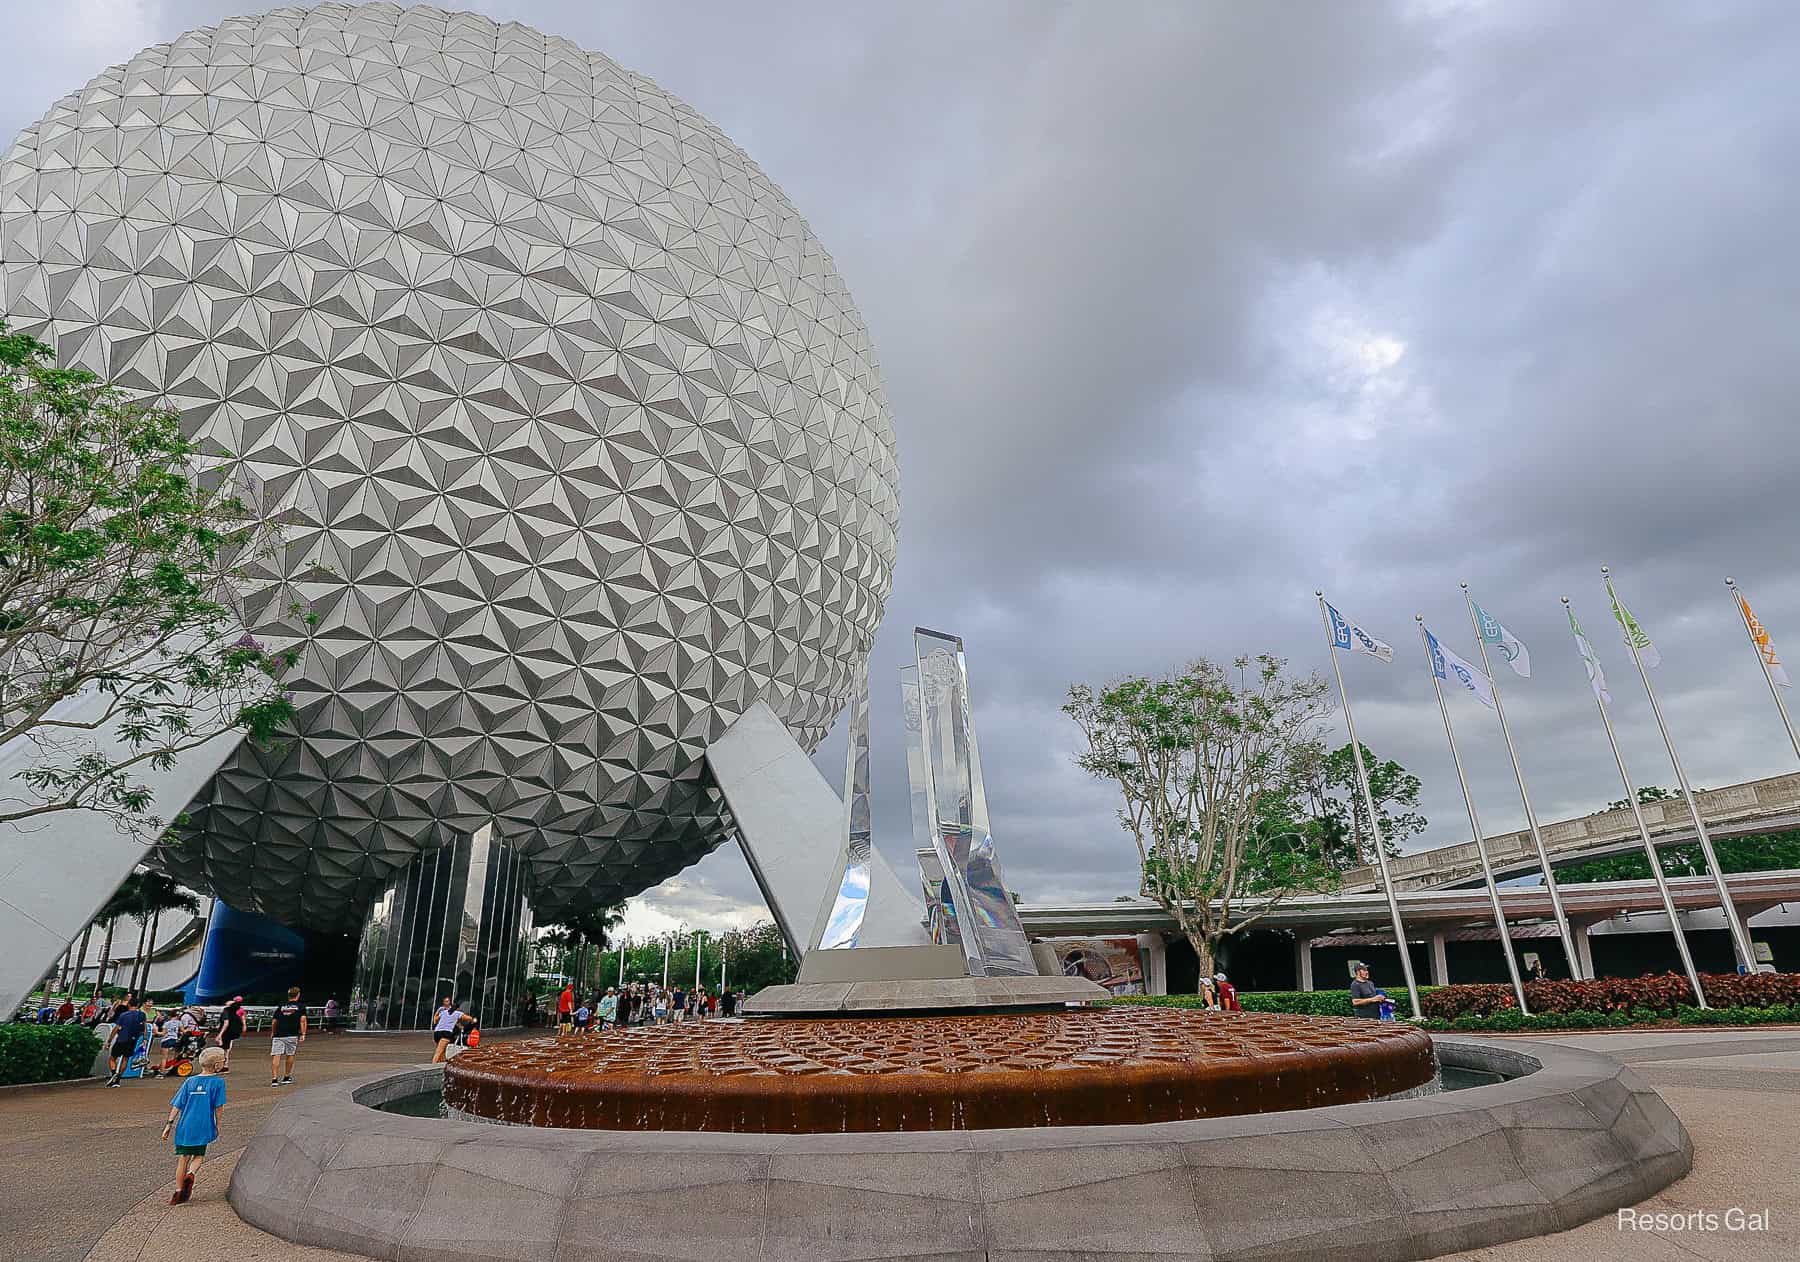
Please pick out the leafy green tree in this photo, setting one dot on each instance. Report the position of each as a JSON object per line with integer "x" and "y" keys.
{"x": 581, "y": 933}
{"x": 756, "y": 957}
{"x": 123, "y": 563}
{"x": 157, "y": 893}
{"x": 123, "y": 902}
{"x": 1213, "y": 765}
{"x": 1760, "y": 852}
{"x": 1645, "y": 794}
{"x": 1336, "y": 804}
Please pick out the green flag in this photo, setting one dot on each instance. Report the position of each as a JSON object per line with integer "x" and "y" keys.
{"x": 1636, "y": 638}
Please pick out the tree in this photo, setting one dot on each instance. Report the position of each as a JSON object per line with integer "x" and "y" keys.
{"x": 579, "y": 928}
{"x": 754, "y": 958}
{"x": 1759, "y": 852}
{"x": 122, "y": 902}
{"x": 1646, "y": 793}
{"x": 123, "y": 567}
{"x": 1213, "y": 766}
{"x": 157, "y": 893}
{"x": 1336, "y": 803}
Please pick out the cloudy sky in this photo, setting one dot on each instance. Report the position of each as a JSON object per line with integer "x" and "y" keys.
{"x": 1187, "y": 309}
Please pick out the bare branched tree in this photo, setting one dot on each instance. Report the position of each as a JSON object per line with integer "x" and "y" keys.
{"x": 1213, "y": 763}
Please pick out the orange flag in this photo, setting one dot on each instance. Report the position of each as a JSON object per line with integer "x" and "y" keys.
{"x": 1760, "y": 634}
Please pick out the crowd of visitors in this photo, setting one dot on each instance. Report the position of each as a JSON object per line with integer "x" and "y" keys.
{"x": 641, "y": 1003}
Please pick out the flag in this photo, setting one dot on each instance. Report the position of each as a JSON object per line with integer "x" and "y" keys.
{"x": 1636, "y": 638}
{"x": 1511, "y": 647}
{"x": 1347, "y": 635}
{"x": 1596, "y": 676}
{"x": 1760, "y": 635}
{"x": 1447, "y": 666}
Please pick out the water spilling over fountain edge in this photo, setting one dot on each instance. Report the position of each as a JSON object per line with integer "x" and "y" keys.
{"x": 1075, "y": 1067}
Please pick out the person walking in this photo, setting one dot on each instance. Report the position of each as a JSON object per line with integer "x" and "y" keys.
{"x": 194, "y": 1120}
{"x": 1365, "y": 997}
{"x": 609, "y": 1011}
{"x": 287, "y": 1032}
{"x": 128, "y": 1028}
{"x": 565, "y": 1008}
{"x": 231, "y": 1028}
{"x": 444, "y": 1028}
{"x": 170, "y": 1041}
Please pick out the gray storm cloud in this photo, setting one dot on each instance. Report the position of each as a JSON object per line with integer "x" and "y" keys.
{"x": 1186, "y": 310}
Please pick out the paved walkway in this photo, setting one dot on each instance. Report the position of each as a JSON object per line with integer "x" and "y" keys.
{"x": 1736, "y": 1091}
{"x": 79, "y": 1157}
{"x": 1738, "y": 1094}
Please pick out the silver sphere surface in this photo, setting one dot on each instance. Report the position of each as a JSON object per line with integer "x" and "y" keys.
{"x": 580, "y": 439}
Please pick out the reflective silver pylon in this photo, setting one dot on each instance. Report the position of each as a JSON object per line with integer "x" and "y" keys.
{"x": 993, "y": 940}
{"x": 842, "y": 919}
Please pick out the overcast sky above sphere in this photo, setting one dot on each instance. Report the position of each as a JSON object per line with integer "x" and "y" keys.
{"x": 1188, "y": 309}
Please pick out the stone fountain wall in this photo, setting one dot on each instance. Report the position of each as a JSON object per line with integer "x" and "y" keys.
{"x": 1575, "y": 1137}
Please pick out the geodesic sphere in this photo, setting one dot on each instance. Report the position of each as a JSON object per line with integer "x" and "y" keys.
{"x": 581, "y": 442}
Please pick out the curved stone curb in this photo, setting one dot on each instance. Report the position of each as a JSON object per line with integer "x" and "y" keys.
{"x": 1577, "y": 1137}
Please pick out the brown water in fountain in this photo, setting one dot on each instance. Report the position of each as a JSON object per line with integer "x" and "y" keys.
{"x": 1079, "y": 1067}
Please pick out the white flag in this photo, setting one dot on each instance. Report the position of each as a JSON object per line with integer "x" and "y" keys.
{"x": 1510, "y": 646}
{"x": 1447, "y": 666}
{"x": 1596, "y": 676}
{"x": 1347, "y": 635}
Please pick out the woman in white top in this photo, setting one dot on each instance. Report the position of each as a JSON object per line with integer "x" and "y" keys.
{"x": 171, "y": 1040}
{"x": 444, "y": 1028}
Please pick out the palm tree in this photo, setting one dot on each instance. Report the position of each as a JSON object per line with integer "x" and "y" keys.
{"x": 79, "y": 960}
{"x": 585, "y": 926}
{"x": 122, "y": 902}
{"x": 157, "y": 893}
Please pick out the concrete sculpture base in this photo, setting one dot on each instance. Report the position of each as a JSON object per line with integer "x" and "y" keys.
{"x": 892, "y": 997}
{"x": 1396, "y": 1179}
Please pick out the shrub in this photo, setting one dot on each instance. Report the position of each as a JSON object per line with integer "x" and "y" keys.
{"x": 1658, "y": 996}
{"x": 1312, "y": 1003}
{"x": 46, "y": 1053}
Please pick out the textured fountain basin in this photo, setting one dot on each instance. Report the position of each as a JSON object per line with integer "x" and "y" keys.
{"x": 1080, "y": 1067}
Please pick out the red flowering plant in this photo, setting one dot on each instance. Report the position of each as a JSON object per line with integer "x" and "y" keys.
{"x": 1663, "y": 994}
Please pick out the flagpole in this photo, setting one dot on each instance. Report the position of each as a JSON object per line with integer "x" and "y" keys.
{"x": 1362, "y": 781}
{"x": 1487, "y": 869}
{"x": 1537, "y": 836}
{"x": 1740, "y": 940}
{"x": 1637, "y": 813}
{"x": 1768, "y": 678}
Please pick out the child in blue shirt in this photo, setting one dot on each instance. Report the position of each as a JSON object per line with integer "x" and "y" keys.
{"x": 194, "y": 1119}
{"x": 583, "y": 1015}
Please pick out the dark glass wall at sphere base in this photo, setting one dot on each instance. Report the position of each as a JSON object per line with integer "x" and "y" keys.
{"x": 456, "y": 922}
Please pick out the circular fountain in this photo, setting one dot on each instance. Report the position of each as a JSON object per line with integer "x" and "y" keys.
{"x": 1079, "y": 1067}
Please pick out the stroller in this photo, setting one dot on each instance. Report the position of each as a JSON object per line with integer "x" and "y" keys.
{"x": 193, "y": 1042}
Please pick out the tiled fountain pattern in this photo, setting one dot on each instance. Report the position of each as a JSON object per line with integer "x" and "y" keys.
{"x": 1074, "y": 1067}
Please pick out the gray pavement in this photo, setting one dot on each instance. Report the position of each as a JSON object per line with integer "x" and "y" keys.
{"x": 1735, "y": 1091}
{"x": 82, "y": 1175}
{"x": 76, "y": 1158}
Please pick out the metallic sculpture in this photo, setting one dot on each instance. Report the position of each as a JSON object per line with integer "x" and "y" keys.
{"x": 992, "y": 938}
{"x": 580, "y": 439}
{"x": 843, "y": 920}
{"x": 940, "y": 908}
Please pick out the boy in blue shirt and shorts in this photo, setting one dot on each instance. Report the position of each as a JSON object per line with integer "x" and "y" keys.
{"x": 194, "y": 1120}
